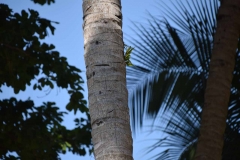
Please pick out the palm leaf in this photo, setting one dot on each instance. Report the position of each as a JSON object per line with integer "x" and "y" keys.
{"x": 166, "y": 58}
{"x": 172, "y": 79}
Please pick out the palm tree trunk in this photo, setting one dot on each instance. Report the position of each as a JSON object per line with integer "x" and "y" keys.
{"x": 106, "y": 79}
{"x": 213, "y": 123}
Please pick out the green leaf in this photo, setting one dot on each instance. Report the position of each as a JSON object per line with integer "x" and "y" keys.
{"x": 127, "y": 56}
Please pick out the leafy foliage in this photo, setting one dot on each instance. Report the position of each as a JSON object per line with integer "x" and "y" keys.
{"x": 127, "y": 55}
{"x": 36, "y": 132}
{"x": 42, "y": 2}
{"x": 171, "y": 91}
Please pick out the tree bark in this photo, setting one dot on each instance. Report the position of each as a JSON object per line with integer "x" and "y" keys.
{"x": 213, "y": 123}
{"x": 106, "y": 79}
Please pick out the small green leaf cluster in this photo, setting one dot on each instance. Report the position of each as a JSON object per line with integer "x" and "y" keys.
{"x": 36, "y": 132}
{"x": 127, "y": 55}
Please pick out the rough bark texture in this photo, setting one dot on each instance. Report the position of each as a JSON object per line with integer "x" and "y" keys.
{"x": 106, "y": 80}
{"x": 217, "y": 92}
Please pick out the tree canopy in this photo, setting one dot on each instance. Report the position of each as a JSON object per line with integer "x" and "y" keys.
{"x": 29, "y": 131}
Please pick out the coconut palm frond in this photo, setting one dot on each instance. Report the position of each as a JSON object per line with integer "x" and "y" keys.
{"x": 180, "y": 134}
{"x": 176, "y": 92}
{"x": 181, "y": 129}
{"x": 170, "y": 63}
{"x": 232, "y": 131}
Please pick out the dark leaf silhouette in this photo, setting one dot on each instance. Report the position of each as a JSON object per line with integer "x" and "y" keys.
{"x": 167, "y": 82}
{"x": 27, "y": 131}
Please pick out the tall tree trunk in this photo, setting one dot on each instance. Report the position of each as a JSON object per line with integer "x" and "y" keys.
{"x": 213, "y": 123}
{"x": 106, "y": 79}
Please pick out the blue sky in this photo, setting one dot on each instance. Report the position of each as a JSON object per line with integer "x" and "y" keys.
{"x": 68, "y": 40}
